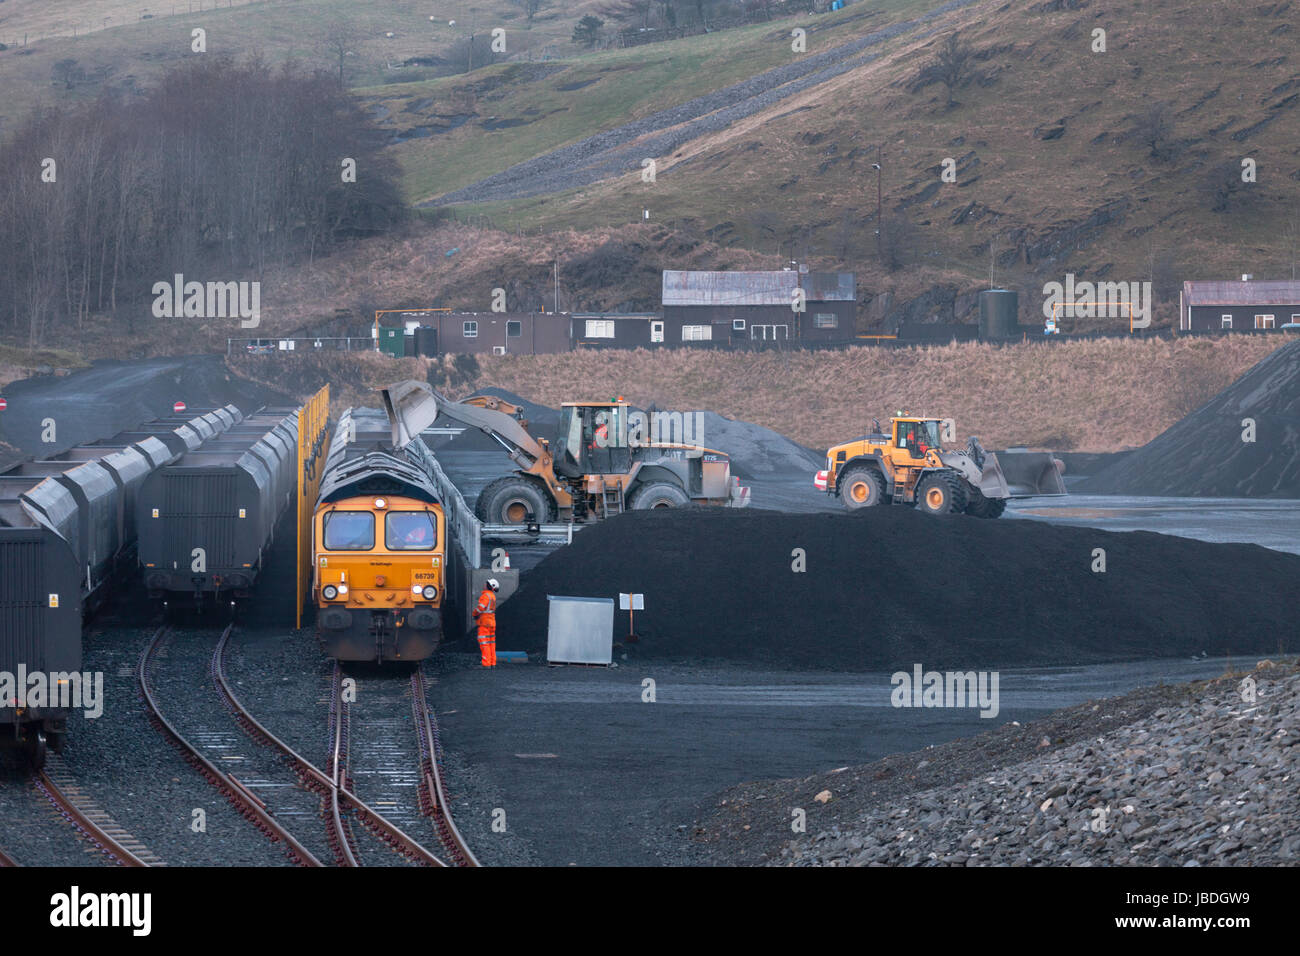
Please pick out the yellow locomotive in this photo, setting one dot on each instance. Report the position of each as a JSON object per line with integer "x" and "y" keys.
{"x": 378, "y": 548}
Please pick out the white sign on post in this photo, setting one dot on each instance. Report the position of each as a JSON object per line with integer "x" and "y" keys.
{"x": 630, "y": 603}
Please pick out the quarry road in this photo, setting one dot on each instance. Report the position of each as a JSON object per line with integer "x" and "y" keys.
{"x": 590, "y": 773}
{"x": 48, "y": 414}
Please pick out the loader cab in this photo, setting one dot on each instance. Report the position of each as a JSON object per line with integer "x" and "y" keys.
{"x": 593, "y": 439}
{"x": 916, "y": 436}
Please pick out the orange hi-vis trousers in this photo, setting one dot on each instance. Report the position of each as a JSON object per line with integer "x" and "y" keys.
{"x": 487, "y": 642}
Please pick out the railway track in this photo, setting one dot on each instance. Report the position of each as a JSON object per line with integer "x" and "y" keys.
{"x": 342, "y": 807}
{"x": 433, "y": 793}
{"x": 237, "y": 792}
{"x": 92, "y": 823}
{"x": 77, "y": 832}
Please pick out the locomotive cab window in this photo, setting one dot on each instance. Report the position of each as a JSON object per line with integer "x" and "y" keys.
{"x": 349, "y": 531}
{"x": 410, "y": 531}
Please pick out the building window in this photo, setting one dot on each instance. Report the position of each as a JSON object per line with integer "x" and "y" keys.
{"x": 697, "y": 333}
{"x": 514, "y": 328}
{"x": 826, "y": 320}
{"x": 600, "y": 328}
{"x": 737, "y": 325}
{"x": 1264, "y": 321}
{"x": 471, "y": 330}
{"x": 1225, "y": 321}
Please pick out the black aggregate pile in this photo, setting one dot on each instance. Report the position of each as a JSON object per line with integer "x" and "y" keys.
{"x": 888, "y": 588}
{"x": 1205, "y": 454}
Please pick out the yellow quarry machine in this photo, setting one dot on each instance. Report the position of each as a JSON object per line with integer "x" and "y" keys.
{"x": 597, "y": 464}
{"x": 909, "y": 465}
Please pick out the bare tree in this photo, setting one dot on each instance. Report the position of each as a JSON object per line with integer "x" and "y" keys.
{"x": 340, "y": 38}
{"x": 532, "y": 7}
{"x": 624, "y": 10}
{"x": 1154, "y": 129}
{"x": 67, "y": 72}
{"x": 954, "y": 64}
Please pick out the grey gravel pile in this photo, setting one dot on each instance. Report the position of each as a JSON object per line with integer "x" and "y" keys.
{"x": 1213, "y": 783}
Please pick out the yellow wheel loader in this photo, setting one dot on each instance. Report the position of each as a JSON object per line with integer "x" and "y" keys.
{"x": 909, "y": 465}
{"x": 597, "y": 464}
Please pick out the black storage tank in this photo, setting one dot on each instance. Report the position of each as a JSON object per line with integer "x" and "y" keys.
{"x": 999, "y": 311}
{"x": 426, "y": 341}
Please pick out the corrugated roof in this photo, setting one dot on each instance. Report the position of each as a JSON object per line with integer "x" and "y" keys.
{"x": 1268, "y": 292}
{"x": 753, "y": 288}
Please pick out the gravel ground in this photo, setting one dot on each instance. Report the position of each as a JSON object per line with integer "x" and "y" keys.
{"x": 31, "y": 830}
{"x": 132, "y": 772}
{"x": 1172, "y": 775}
{"x": 621, "y": 149}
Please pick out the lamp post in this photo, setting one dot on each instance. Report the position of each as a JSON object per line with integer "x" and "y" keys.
{"x": 879, "y": 205}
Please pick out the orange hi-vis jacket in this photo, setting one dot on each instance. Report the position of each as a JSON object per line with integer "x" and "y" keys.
{"x": 486, "y": 611}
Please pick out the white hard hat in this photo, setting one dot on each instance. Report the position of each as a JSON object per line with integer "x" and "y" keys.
{"x": 494, "y": 584}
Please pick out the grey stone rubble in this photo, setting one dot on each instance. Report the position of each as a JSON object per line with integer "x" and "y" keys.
{"x": 1214, "y": 783}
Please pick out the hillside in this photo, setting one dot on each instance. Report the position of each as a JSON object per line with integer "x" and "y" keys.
{"x": 1118, "y": 164}
{"x": 1048, "y": 140}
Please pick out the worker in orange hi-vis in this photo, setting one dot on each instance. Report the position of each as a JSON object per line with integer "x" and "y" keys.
{"x": 486, "y": 616}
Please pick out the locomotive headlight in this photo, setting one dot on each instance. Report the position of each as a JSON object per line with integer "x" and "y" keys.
{"x": 380, "y": 503}
{"x": 343, "y": 589}
{"x": 329, "y": 592}
{"x": 430, "y": 592}
{"x": 415, "y": 589}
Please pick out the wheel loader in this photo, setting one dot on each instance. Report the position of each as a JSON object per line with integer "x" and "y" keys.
{"x": 909, "y": 465}
{"x": 595, "y": 466}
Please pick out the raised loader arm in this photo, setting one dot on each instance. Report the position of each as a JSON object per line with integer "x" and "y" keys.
{"x": 413, "y": 406}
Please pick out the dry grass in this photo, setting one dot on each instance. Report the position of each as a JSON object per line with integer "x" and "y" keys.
{"x": 17, "y": 363}
{"x": 1080, "y": 396}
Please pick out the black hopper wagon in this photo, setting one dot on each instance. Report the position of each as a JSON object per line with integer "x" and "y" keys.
{"x": 206, "y": 521}
{"x": 67, "y": 537}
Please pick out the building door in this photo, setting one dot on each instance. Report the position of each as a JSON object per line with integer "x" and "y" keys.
{"x": 656, "y": 331}
{"x": 769, "y": 333}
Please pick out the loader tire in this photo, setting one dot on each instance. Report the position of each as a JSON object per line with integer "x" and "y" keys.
{"x": 941, "y": 493}
{"x": 511, "y": 500}
{"x": 659, "y": 494}
{"x": 862, "y": 488}
{"x": 981, "y": 507}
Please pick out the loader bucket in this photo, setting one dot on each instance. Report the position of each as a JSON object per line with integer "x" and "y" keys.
{"x": 1028, "y": 474}
{"x": 411, "y": 407}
